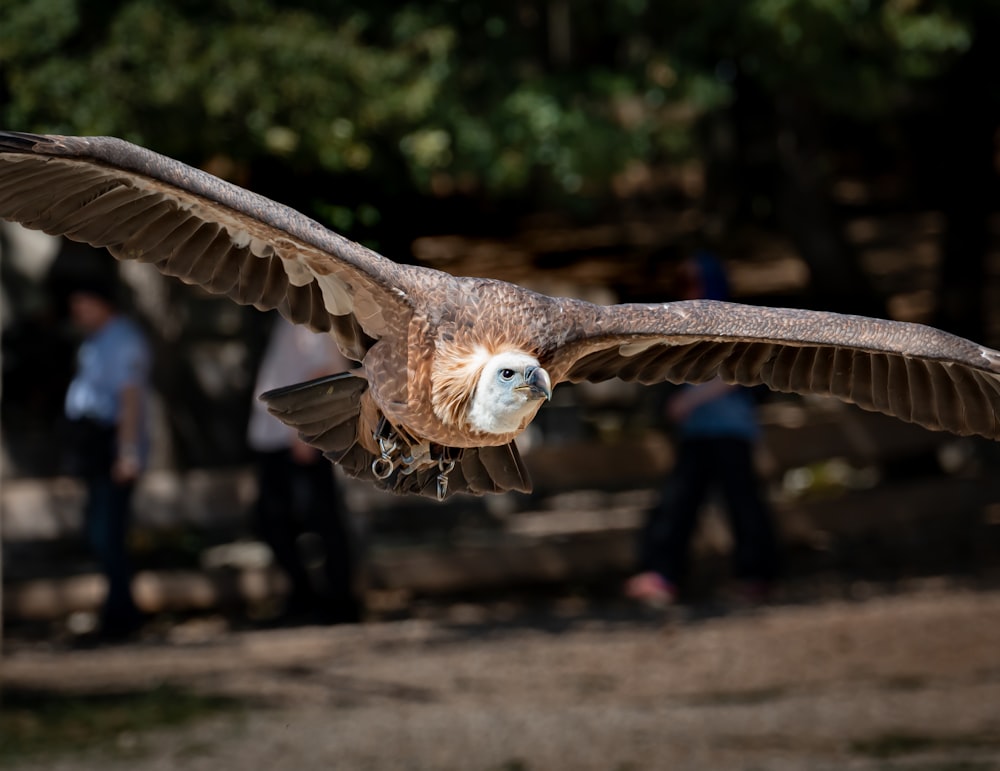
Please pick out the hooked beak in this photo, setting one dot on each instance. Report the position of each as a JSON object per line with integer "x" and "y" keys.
{"x": 538, "y": 383}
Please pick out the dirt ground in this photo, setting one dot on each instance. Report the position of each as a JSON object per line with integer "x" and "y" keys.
{"x": 907, "y": 679}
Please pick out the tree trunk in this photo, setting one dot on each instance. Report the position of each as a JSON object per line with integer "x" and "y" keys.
{"x": 806, "y": 213}
{"x": 968, "y": 116}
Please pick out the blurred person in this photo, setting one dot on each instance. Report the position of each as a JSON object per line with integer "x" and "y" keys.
{"x": 106, "y": 409}
{"x": 297, "y": 488}
{"x": 716, "y": 430}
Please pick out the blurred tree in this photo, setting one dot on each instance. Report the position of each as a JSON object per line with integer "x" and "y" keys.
{"x": 525, "y": 100}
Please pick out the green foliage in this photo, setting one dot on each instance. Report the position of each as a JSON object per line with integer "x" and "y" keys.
{"x": 852, "y": 56}
{"x": 473, "y": 95}
{"x": 36, "y": 724}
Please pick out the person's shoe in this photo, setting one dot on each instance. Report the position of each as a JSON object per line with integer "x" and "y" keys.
{"x": 346, "y": 610}
{"x": 754, "y": 592}
{"x": 650, "y": 588}
{"x": 112, "y": 631}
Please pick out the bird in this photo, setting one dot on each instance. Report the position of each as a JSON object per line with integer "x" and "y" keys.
{"x": 451, "y": 369}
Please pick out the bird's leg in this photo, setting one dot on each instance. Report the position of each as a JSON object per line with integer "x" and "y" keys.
{"x": 397, "y": 451}
{"x": 444, "y": 468}
{"x": 421, "y": 456}
{"x": 383, "y": 466}
{"x": 418, "y": 457}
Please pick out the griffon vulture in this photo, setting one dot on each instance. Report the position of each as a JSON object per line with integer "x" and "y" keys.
{"x": 452, "y": 369}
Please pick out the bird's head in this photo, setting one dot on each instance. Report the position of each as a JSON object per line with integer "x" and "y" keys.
{"x": 509, "y": 390}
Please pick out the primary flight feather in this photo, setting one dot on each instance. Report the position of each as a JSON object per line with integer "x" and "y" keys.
{"x": 453, "y": 369}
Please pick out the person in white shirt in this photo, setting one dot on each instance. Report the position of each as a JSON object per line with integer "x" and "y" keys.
{"x": 297, "y": 489}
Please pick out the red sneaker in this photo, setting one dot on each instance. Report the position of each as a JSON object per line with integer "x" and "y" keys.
{"x": 652, "y": 589}
{"x": 754, "y": 592}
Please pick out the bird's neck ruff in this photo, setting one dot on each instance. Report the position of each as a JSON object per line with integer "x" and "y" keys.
{"x": 453, "y": 381}
{"x": 455, "y": 376}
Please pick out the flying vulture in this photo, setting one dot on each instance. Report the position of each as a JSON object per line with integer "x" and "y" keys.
{"x": 452, "y": 369}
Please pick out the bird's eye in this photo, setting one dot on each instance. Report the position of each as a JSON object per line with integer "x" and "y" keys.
{"x": 506, "y": 374}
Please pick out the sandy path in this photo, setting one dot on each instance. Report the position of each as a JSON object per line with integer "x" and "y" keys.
{"x": 909, "y": 681}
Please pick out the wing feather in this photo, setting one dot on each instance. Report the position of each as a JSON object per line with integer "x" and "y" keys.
{"x": 898, "y": 388}
{"x": 916, "y": 373}
{"x": 144, "y": 206}
{"x": 750, "y": 357}
{"x": 133, "y": 215}
{"x": 134, "y": 220}
{"x": 504, "y": 465}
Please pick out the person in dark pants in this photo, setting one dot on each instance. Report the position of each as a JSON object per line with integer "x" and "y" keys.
{"x": 716, "y": 433}
{"x": 297, "y": 488}
{"x": 296, "y": 496}
{"x": 108, "y": 440}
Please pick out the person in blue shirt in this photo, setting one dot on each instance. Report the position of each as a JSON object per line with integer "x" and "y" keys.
{"x": 106, "y": 408}
{"x": 716, "y": 430}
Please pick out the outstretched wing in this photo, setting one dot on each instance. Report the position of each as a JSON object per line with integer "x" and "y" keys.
{"x": 190, "y": 224}
{"x": 913, "y": 372}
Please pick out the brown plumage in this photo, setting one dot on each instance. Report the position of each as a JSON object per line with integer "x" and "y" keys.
{"x": 452, "y": 369}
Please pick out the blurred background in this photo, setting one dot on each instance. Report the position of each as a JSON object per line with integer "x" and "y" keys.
{"x": 835, "y": 155}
